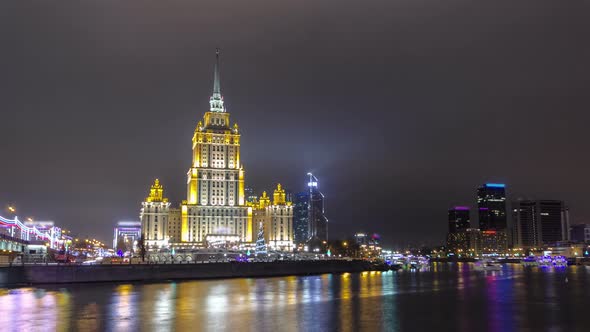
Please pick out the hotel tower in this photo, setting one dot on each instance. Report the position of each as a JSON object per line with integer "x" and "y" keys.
{"x": 216, "y": 213}
{"x": 215, "y": 209}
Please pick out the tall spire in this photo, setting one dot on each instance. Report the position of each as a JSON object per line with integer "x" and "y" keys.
{"x": 216, "y": 100}
{"x": 216, "y": 83}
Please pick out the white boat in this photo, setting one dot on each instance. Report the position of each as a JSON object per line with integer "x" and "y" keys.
{"x": 487, "y": 265}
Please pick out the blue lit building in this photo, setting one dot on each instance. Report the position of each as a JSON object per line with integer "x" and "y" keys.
{"x": 310, "y": 224}
{"x": 491, "y": 203}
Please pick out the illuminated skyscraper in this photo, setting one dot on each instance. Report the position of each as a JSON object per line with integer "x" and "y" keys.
{"x": 491, "y": 202}
{"x": 300, "y": 217}
{"x": 317, "y": 221}
{"x": 461, "y": 239}
{"x": 215, "y": 208}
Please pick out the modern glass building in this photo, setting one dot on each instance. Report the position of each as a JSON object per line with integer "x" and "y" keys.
{"x": 540, "y": 222}
{"x": 318, "y": 223}
{"x": 459, "y": 219}
{"x": 491, "y": 203}
{"x": 300, "y": 214}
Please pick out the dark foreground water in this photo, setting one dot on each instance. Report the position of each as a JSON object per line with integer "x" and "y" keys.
{"x": 449, "y": 297}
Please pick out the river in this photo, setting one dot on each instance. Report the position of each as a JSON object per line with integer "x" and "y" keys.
{"x": 448, "y": 297}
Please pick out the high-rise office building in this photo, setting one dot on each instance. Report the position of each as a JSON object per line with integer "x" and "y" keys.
{"x": 458, "y": 240}
{"x": 459, "y": 219}
{"x": 300, "y": 217}
{"x": 491, "y": 203}
{"x": 318, "y": 223}
{"x": 540, "y": 222}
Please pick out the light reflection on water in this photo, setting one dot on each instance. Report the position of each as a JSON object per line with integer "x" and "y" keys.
{"x": 448, "y": 297}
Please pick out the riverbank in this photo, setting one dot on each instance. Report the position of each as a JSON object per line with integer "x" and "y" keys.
{"x": 61, "y": 274}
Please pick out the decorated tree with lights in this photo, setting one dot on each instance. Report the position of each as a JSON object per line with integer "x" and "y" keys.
{"x": 260, "y": 244}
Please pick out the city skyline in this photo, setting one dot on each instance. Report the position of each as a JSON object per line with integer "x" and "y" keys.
{"x": 81, "y": 131}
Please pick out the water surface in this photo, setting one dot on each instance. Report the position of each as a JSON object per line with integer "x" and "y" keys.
{"x": 449, "y": 297}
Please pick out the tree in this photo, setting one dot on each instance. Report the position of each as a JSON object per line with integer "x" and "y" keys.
{"x": 141, "y": 247}
{"x": 260, "y": 245}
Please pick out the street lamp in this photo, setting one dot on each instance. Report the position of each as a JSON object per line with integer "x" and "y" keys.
{"x": 11, "y": 209}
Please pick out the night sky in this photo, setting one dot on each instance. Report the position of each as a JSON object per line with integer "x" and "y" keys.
{"x": 401, "y": 108}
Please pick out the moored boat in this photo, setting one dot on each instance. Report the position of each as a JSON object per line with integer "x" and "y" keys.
{"x": 487, "y": 265}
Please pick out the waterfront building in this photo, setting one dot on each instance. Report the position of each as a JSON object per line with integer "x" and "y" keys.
{"x": 300, "y": 217}
{"x": 580, "y": 233}
{"x": 279, "y": 233}
{"x": 274, "y": 220}
{"x": 467, "y": 242}
{"x": 18, "y": 236}
{"x": 540, "y": 222}
{"x": 458, "y": 240}
{"x": 493, "y": 242}
{"x": 215, "y": 212}
{"x": 317, "y": 221}
{"x": 491, "y": 203}
{"x": 154, "y": 217}
{"x": 126, "y": 235}
{"x": 459, "y": 219}
{"x": 362, "y": 238}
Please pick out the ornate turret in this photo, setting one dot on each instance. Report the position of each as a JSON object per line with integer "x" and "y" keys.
{"x": 264, "y": 200}
{"x": 279, "y": 196}
{"x": 156, "y": 193}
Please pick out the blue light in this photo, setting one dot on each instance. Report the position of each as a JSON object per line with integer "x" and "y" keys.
{"x": 495, "y": 185}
